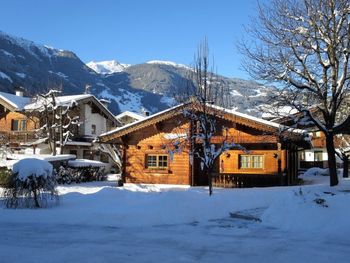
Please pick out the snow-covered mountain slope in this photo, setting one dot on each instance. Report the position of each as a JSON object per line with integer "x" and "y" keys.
{"x": 142, "y": 87}
{"x": 169, "y": 63}
{"x": 107, "y": 67}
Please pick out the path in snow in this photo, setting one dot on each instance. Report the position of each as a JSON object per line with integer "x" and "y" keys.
{"x": 226, "y": 240}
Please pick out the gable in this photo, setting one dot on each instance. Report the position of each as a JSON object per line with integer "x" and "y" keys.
{"x": 231, "y": 116}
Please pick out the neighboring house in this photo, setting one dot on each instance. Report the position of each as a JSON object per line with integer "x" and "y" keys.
{"x": 15, "y": 126}
{"x": 22, "y": 116}
{"x": 94, "y": 119}
{"x": 128, "y": 117}
{"x": 317, "y": 155}
{"x": 266, "y": 161}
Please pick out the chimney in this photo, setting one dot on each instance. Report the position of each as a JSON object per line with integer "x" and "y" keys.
{"x": 87, "y": 89}
{"x": 147, "y": 113}
{"x": 19, "y": 91}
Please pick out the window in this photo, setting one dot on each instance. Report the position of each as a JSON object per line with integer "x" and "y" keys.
{"x": 159, "y": 161}
{"x": 302, "y": 156}
{"x": 252, "y": 161}
{"x": 93, "y": 129}
{"x": 19, "y": 125}
{"x": 318, "y": 156}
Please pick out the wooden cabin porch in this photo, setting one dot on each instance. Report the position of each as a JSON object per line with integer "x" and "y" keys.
{"x": 231, "y": 180}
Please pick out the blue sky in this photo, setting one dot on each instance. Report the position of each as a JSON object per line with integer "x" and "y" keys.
{"x": 134, "y": 31}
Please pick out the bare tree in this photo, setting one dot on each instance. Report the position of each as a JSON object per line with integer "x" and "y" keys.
{"x": 203, "y": 90}
{"x": 55, "y": 119}
{"x": 303, "y": 47}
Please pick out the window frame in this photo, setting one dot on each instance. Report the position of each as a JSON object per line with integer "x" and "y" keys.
{"x": 318, "y": 153}
{"x": 250, "y": 162}
{"x": 21, "y": 125}
{"x": 158, "y": 160}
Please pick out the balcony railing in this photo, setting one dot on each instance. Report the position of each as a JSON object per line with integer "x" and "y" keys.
{"x": 246, "y": 139}
{"x": 7, "y": 137}
{"x": 230, "y": 180}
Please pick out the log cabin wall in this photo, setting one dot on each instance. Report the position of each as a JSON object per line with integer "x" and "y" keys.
{"x": 21, "y": 132}
{"x": 7, "y": 118}
{"x": 258, "y": 143}
{"x": 230, "y": 162}
{"x": 152, "y": 141}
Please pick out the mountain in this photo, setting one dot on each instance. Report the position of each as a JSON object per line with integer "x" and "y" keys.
{"x": 149, "y": 86}
{"x": 107, "y": 67}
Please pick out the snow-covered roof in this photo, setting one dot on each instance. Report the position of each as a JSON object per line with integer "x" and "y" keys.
{"x": 60, "y": 101}
{"x": 85, "y": 163}
{"x": 46, "y": 157}
{"x": 17, "y": 102}
{"x": 68, "y": 100}
{"x": 233, "y": 112}
{"x": 130, "y": 114}
{"x": 76, "y": 143}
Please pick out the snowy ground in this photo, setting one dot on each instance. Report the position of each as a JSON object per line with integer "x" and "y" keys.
{"x": 96, "y": 222}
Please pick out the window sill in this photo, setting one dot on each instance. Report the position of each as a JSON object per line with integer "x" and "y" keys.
{"x": 158, "y": 170}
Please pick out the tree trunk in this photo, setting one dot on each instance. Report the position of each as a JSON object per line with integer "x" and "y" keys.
{"x": 210, "y": 183}
{"x": 332, "y": 164}
{"x": 345, "y": 166}
{"x": 207, "y": 172}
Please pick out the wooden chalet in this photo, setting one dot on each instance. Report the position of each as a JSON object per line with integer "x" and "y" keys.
{"x": 270, "y": 156}
{"x": 15, "y": 125}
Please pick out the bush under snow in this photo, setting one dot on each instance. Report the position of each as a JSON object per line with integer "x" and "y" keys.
{"x": 32, "y": 184}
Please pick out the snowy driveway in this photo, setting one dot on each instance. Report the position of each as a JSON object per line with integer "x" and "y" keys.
{"x": 219, "y": 241}
{"x": 100, "y": 223}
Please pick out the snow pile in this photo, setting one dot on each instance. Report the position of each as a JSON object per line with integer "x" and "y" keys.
{"x": 315, "y": 171}
{"x": 311, "y": 210}
{"x": 32, "y": 167}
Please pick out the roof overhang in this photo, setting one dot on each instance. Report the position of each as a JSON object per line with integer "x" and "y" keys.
{"x": 115, "y": 135}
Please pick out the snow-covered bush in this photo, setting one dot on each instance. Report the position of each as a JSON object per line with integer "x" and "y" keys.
{"x": 315, "y": 171}
{"x": 79, "y": 175}
{"x": 32, "y": 185}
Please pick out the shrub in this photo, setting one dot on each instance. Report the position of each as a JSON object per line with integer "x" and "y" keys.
{"x": 5, "y": 177}
{"x": 79, "y": 175}
{"x": 32, "y": 185}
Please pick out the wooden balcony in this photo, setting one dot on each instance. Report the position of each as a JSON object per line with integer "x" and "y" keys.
{"x": 17, "y": 137}
{"x": 229, "y": 180}
{"x": 246, "y": 139}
